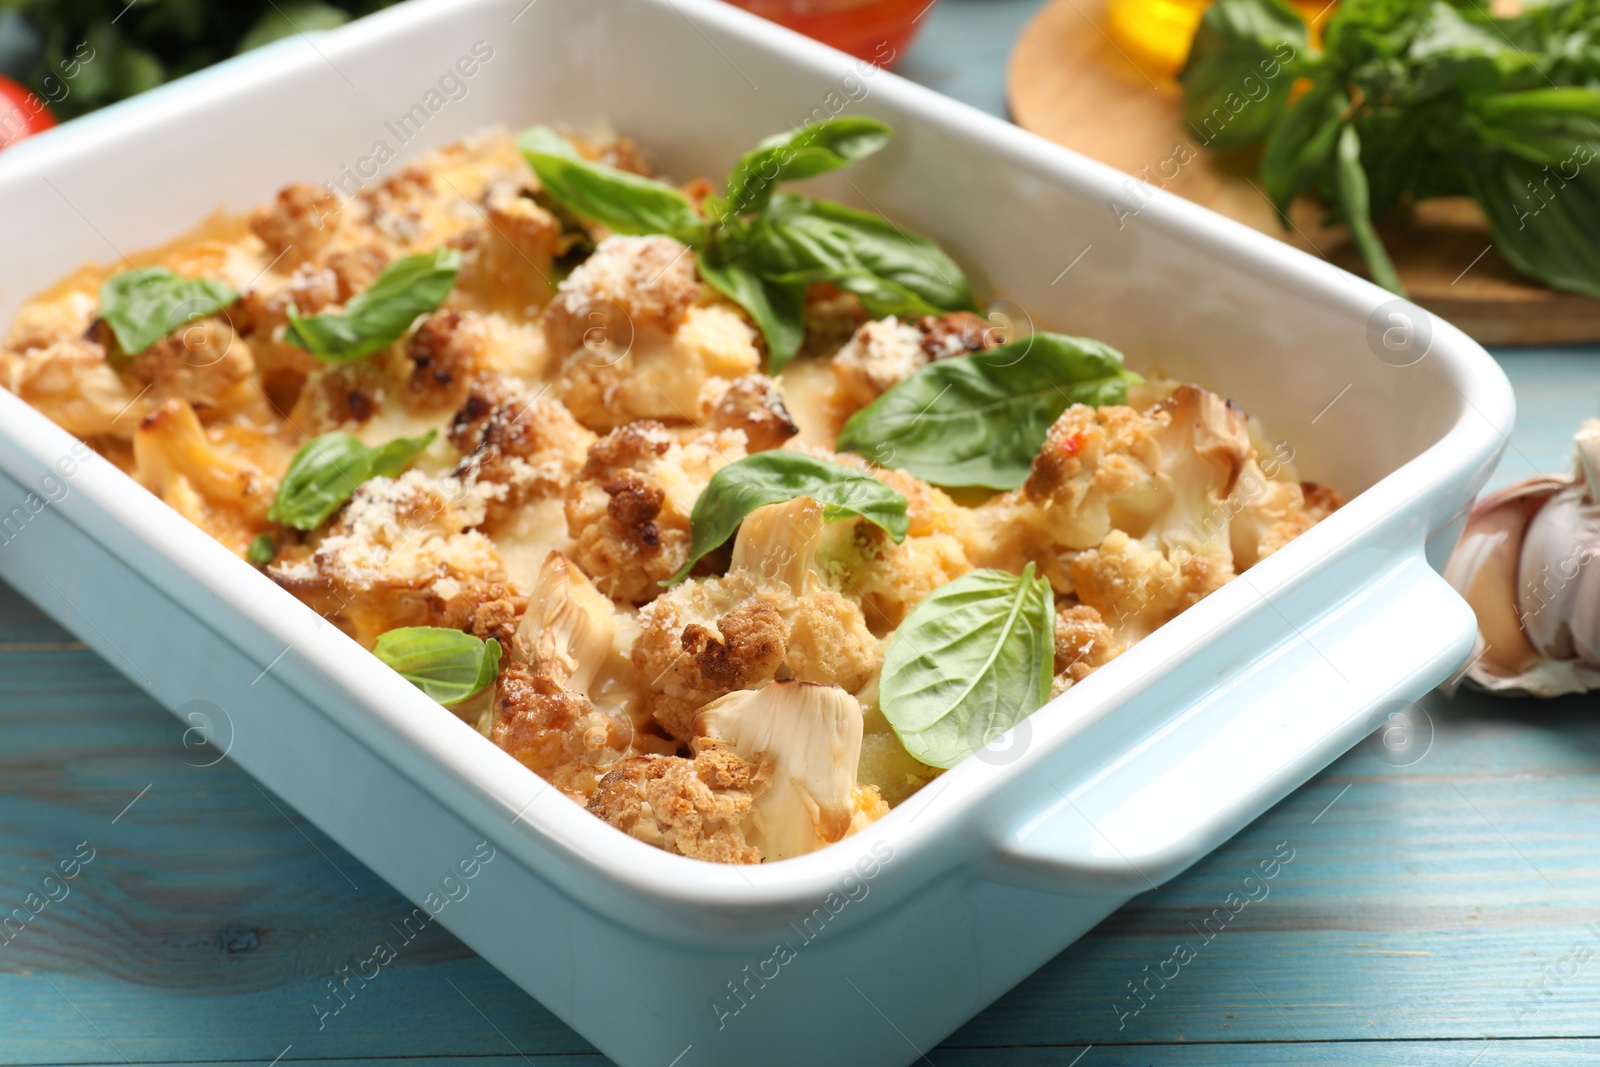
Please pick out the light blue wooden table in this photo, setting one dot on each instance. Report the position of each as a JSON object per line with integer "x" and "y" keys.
{"x": 1440, "y": 913}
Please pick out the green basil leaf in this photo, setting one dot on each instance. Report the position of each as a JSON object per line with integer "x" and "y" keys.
{"x": 375, "y": 319}
{"x": 892, "y": 271}
{"x": 262, "y": 549}
{"x": 145, "y": 304}
{"x": 778, "y": 309}
{"x": 805, "y": 153}
{"x": 1545, "y": 231}
{"x": 1357, "y": 212}
{"x": 970, "y": 662}
{"x": 448, "y": 665}
{"x": 329, "y": 468}
{"x": 776, "y": 476}
{"x": 1300, "y": 152}
{"x": 980, "y": 419}
{"x": 1236, "y": 81}
{"x": 625, "y": 202}
{"x": 1558, "y": 128}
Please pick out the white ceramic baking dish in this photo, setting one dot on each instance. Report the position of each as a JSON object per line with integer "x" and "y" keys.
{"x": 890, "y": 939}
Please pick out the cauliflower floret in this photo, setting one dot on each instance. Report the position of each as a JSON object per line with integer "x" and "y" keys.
{"x": 809, "y": 735}
{"x": 1271, "y": 513}
{"x": 771, "y": 616}
{"x": 526, "y": 446}
{"x": 638, "y": 336}
{"x": 689, "y": 807}
{"x": 563, "y": 701}
{"x": 753, "y": 404}
{"x": 218, "y": 480}
{"x": 886, "y": 578}
{"x": 403, "y": 552}
{"x": 628, "y": 508}
{"x": 885, "y": 352}
{"x": 205, "y": 364}
{"x": 1129, "y": 511}
{"x": 298, "y": 223}
{"x": 1136, "y": 588}
{"x": 505, "y": 263}
{"x": 1083, "y": 643}
{"x": 555, "y": 731}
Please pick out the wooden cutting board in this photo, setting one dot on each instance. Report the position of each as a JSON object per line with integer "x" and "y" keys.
{"x": 1070, "y": 83}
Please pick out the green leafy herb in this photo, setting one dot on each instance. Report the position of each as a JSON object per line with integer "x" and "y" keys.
{"x": 448, "y": 665}
{"x": 329, "y": 468}
{"x": 804, "y": 153}
{"x": 891, "y": 271}
{"x": 1242, "y": 51}
{"x": 145, "y": 304}
{"x": 778, "y": 308}
{"x": 1411, "y": 99}
{"x": 762, "y": 250}
{"x": 375, "y": 319}
{"x": 970, "y": 662}
{"x": 627, "y": 203}
{"x": 980, "y": 419}
{"x": 262, "y": 549}
{"x": 776, "y": 476}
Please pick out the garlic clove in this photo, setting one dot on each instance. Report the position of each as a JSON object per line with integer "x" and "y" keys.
{"x": 1559, "y": 593}
{"x": 1484, "y": 569}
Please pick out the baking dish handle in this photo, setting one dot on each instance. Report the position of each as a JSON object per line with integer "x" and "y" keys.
{"x": 1250, "y": 736}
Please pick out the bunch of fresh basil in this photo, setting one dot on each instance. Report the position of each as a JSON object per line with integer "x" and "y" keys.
{"x": 761, "y": 248}
{"x": 1411, "y": 99}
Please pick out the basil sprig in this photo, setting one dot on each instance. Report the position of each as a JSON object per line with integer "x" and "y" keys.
{"x": 373, "y": 320}
{"x": 971, "y": 661}
{"x": 145, "y": 304}
{"x": 1411, "y": 100}
{"x": 329, "y": 468}
{"x": 623, "y": 201}
{"x": 759, "y": 249}
{"x": 448, "y": 665}
{"x": 777, "y": 476}
{"x": 980, "y": 419}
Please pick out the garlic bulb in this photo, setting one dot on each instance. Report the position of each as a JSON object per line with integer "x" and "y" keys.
{"x": 1523, "y": 565}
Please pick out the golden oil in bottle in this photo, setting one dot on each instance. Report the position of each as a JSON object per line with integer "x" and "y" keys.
{"x": 1156, "y": 34}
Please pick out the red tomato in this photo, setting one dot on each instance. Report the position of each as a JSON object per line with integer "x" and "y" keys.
{"x": 22, "y": 113}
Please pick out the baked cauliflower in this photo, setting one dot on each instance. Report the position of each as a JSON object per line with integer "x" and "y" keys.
{"x": 639, "y": 337}
{"x": 403, "y": 552}
{"x": 771, "y": 616}
{"x": 628, "y": 506}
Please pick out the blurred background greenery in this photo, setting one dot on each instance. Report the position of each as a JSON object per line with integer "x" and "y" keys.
{"x": 78, "y": 55}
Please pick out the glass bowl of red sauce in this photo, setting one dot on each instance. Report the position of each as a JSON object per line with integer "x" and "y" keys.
{"x": 878, "y": 31}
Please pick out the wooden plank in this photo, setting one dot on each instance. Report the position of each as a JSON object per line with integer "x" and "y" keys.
{"x": 1534, "y": 1053}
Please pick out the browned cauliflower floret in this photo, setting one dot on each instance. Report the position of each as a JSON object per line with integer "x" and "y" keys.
{"x": 1273, "y": 512}
{"x": 885, "y": 352}
{"x": 505, "y": 263}
{"x": 1129, "y": 511}
{"x": 771, "y": 616}
{"x": 205, "y": 364}
{"x": 554, "y": 731}
{"x": 690, "y": 807}
{"x": 638, "y": 338}
{"x": 298, "y": 223}
{"x": 1083, "y": 643}
{"x": 523, "y": 444}
{"x": 754, "y": 404}
{"x": 628, "y": 508}
{"x": 887, "y": 578}
{"x": 403, "y": 552}
{"x": 446, "y": 350}
{"x": 563, "y": 703}
{"x": 808, "y": 737}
